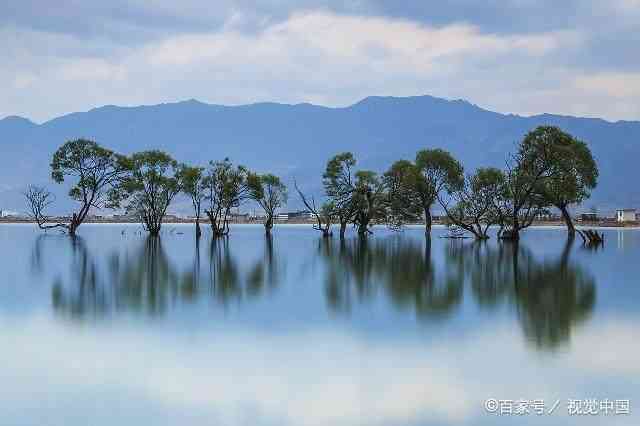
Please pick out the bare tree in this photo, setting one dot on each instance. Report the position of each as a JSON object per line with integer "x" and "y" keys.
{"x": 38, "y": 201}
{"x": 324, "y": 215}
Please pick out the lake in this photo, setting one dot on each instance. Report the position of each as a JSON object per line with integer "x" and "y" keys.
{"x": 114, "y": 328}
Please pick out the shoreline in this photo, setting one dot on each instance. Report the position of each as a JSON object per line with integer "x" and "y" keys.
{"x": 172, "y": 221}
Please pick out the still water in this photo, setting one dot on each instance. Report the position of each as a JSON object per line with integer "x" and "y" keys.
{"x": 113, "y": 328}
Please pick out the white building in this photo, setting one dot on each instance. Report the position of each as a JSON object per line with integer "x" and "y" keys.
{"x": 626, "y": 215}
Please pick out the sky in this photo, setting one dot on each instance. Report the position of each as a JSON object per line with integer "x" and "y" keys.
{"x": 512, "y": 56}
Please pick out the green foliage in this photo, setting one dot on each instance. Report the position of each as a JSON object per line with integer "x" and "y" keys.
{"x": 337, "y": 178}
{"x": 152, "y": 183}
{"x": 574, "y": 172}
{"x": 226, "y": 189}
{"x": 339, "y": 185}
{"x": 96, "y": 171}
{"x": 404, "y": 204}
{"x": 477, "y": 202}
{"x": 551, "y": 168}
{"x": 193, "y": 184}
{"x": 269, "y": 192}
{"x": 369, "y": 200}
{"x": 439, "y": 171}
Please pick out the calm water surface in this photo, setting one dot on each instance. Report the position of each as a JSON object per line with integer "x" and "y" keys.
{"x": 114, "y": 328}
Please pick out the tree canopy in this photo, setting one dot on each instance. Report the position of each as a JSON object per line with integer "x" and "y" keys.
{"x": 94, "y": 172}
{"x": 153, "y": 181}
{"x": 270, "y": 193}
{"x": 226, "y": 189}
{"x": 438, "y": 171}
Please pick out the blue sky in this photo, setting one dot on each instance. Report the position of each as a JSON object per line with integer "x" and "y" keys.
{"x": 519, "y": 56}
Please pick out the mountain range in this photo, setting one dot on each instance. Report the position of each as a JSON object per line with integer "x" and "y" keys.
{"x": 295, "y": 141}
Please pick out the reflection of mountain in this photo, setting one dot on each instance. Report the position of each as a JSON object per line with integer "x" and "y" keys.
{"x": 148, "y": 281}
{"x": 551, "y": 297}
{"x": 401, "y": 268}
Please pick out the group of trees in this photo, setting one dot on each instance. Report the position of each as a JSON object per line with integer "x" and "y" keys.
{"x": 144, "y": 184}
{"x": 550, "y": 168}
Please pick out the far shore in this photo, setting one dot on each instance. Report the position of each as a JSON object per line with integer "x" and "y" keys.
{"x": 204, "y": 222}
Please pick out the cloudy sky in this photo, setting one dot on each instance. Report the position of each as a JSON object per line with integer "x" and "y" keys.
{"x": 521, "y": 56}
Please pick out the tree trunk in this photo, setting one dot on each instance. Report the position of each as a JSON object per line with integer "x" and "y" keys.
{"x": 363, "y": 227}
{"x": 198, "y": 230}
{"x": 571, "y": 229}
{"x": 427, "y": 221}
{"x": 268, "y": 225}
{"x": 73, "y": 225}
{"x": 343, "y": 229}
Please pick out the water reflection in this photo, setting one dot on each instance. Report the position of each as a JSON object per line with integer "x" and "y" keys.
{"x": 550, "y": 296}
{"x": 146, "y": 280}
{"x": 401, "y": 268}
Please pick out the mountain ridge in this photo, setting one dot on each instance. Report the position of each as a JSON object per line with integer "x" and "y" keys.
{"x": 363, "y": 100}
{"x": 295, "y": 140}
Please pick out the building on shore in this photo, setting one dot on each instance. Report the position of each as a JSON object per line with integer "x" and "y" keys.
{"x": 297, "y": 215}
{"x": 589, "y": 217}
{"x": 626, "y": 215}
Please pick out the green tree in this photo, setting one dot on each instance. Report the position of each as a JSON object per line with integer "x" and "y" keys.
{"x": 152, "y": 183}
{"x": 575, "y": 174}
{"x": 438, "y": 172}
{"x": 539, "y": 176}
{"x": 270, "y": 193}
{"x": 193, "y": 185}
{"x": 226, "y": 189}
{"x": 404, "y": 204}
{"x": 339, "y": 185}
{"x": 369, "y": 201}
{"x": 476, "y": 202}
{"x": 94, "y": 170}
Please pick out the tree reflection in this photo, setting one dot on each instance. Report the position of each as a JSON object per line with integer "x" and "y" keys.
{"x": 401, "y": 269}
{"x": 88, "y": 298}
{"x": 145, "y": 280}
{"x": 551, "y": 296}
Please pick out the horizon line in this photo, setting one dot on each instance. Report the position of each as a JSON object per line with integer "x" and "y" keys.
{"x": 249, "y": 104}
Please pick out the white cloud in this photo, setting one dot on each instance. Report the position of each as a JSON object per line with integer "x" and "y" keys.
{"x": 315, "y": 56}
{"x": 612, "y": 84}
{"x": 314, "y": 377}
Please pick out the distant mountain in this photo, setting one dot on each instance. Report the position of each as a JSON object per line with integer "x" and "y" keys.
{"x": 296, "y": 140}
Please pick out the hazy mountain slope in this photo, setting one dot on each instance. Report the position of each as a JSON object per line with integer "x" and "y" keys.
{"x": 296, "y": 140}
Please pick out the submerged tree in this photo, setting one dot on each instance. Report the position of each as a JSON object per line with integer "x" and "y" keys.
{"x": 369, "y": 201}
{"x": 193, "y": 184}
{"x": 477, "y": 202}
{"x": 437, "y": 172}
{"x": 575, "y": 174}
{"x": 152, "y": 183}
{"x": 227, "y": 188}
{"x": 404, "y": 204}
{"x": 95, "y": 170}
{"x": 270, "y": 193}
{"x": 339, "y": 185}
{"x": 323, "y": 214}
{"x": 38, "y": 201}
{"x": 537, "y": 164}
